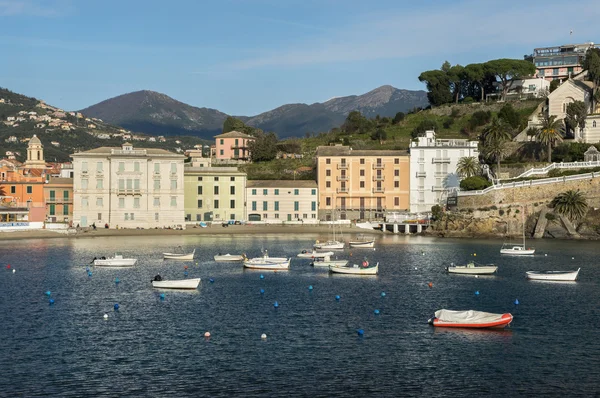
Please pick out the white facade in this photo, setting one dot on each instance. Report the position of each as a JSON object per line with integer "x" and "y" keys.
{"x": 128, "y": 188}
{"x": 433, "y": 169}
{"x": 591, "y": 133}
{"x": 282, "y": 201}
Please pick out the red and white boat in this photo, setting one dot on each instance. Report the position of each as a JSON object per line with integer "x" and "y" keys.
{"x": 470, "y": 319}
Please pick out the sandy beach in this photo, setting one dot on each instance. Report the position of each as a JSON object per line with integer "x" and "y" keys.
{"x": 213, "y": 230}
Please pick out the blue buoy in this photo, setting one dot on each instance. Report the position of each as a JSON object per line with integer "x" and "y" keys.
{"x": 276, "y": 304}
{"x": 477, "y": 292}
{"x": 116, "y": 307}
{"x": 185, "y": 273}
{"x": 48, "y": 293}
{"x": 262, "y": 291}
{"x": 310, "y": 287}
{"x": 517, "y": 302}
{"x": 162, "y": 296}
{"x": 117, "y": 280}
{"x": 376, "y": 312}
{"x": 360, "y": 332}
{"x": 262, "y": 276}
{"x": 90, "y": 273}
{"x": 87, "y": 269}
{"x": 51, "y": 301}
{"x": 382, "y": 294}
{"x": 211, "y": 280}
{"x": 337, "y": 298}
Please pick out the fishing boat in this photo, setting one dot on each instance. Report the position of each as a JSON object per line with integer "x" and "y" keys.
{"x": 516, "y": 248}
{"x": 192, "y": 283}
{"x": 314, "y": 254}
{"x": 327, "y": 262}
{"x": 362, "y": 242}
{"x": 335, "y": 242}
{"x": 117, "y": 261}
{"x": 364, "y": 269}
{"x": 265, "y": 262}
{"x": 553, "y": 275}
{"x": 472, "y": 268}
{"x": 229, "y": 257}
{"x": 470, "y": 319}
{"x": 179, "y": 256}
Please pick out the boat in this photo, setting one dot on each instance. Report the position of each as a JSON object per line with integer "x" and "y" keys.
{"x": 229, "y": 257}
{"x": 117, "y": 261}
{"x": 266, "y": 262}
{"x": 333, "y": 243}
{"x": 363, "y": 242}
{"x": 179, "y": 256}
{"x": 314, "y": 254}
{"x": 470, "y": 319}
{"x": 192, "y": 283}
{"x": 327, "y": 262}
{"x": 553, "y": 275}
{"x": 472, "y": 268}
{"x": 515, "y": 248}
{"x": 364, "y": 269}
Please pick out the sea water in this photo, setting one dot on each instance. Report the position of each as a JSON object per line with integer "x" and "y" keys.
{"x": 154, "y": 344}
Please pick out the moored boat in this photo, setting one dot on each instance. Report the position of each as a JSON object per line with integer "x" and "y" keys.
{"x": 364, "y": 269}
{"x": 327, "y": 262}
{"x": 362, "y": 242}
{"x": 329, "y": 245}
{"x": 553, "y": 275}
{"x": 179, "y": 256}
{"x": 117, "y": 261}
{"x": 472, "y": 268}
{"x": 228, "y": 257}
{"x": 265, "y": 262}
{"x": 470, "y": 319}
{"x": 192, "y": 283}
{"x": 518, "y": 250}
{"x": 314, "y": 254}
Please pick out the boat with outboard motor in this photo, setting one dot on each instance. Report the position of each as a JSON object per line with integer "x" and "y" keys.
{"x": 191, "y": 283}
{"x": 470, "y": 319}
{"x": 116, "y": 261}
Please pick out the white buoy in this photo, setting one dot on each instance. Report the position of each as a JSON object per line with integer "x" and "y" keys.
{"x": 476, "y": 276}
{"x": 572, "y": 258}
{"x": 545, "y": 254}
{"x": 14, "y": 270}
{"x": 415, "y": 267}
{"x": 105, "y": 316}
{"x": 263, "y": 336}
{"x": 206, "y": 334}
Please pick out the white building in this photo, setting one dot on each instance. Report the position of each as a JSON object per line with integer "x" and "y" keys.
{"x": 433, "y": 169}
{"x": 591, "y": 132}
{"x": 128, "y": 187}
{"x": 279, "y": 201}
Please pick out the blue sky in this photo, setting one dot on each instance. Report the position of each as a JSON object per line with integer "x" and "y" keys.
{"x": 245, "y": 57}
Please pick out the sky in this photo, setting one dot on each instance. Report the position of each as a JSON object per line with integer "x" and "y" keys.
{"x": 244, "y": 57}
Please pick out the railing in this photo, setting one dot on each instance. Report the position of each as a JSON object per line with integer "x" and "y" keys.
{"x": 342, "y": 166}
{"x": 53, "y": 200}
{"x": 440, "y": 160}
{"x": 378, "y": 190}
{"x": 133, "y": 152}
{"x": 421, "y": 160}
{"x": 440, "y": 174}
{"x": 378, "y": 178}
{"x": 378, "y": 166}
{"x": 129, "y": 192}
{"x": 342, "y": 190}
{"x": 421, "y": 174}
{"x": 343, "y": 178}
{"x": 530, "y": 183}
{"x": 545, "y": 170}
{"x": 437, "y": 188}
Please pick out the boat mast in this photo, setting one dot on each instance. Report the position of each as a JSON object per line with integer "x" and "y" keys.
{"x": 523, "y": 222}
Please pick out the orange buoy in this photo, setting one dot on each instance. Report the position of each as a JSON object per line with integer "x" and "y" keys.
{"x": 430, "y": 284}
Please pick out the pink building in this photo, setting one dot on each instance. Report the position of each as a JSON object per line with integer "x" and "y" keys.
{"x": 233, "y": 145}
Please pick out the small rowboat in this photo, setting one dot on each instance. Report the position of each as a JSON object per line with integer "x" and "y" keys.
{"x": 362, "y": 242}
{"x": 355, "y": 269}
{"x": 179, "y": 256}
{"x": 314, "y": 254}
{"x": 265, "y": 262}
{"x": 175, "y": 284}
{"x": 470, "y": 319}
{"x": 553, "y": 275}
{"x": 472, "y": 269}
{"x": 328, "y": 262}
{"x": 229, "y": 257}
{"x": 116, "y": 261}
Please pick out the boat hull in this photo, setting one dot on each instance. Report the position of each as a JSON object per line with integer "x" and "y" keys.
{"x": 331, "y": 245}
{"x": 518, "y": 251}
{"x": 177, "y": 284}
{"x": 315, "y": 254}
{"x": 364, "y": 244}
{"x": 478, "y": 270}
{"x": 470, "y": 319}
{"x": 330, "y": 263}
{"x": 269, "y": 265}
{"x": 355, "y": 269}
{"x": 553, "y": 275}
{"x": 124, "y": 262}
{"x": 175, "y": 256}
{"x": 229, "y": 257}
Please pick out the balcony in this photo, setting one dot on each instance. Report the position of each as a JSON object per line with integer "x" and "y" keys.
{"x": 342, "y": 190}
{"x": 378, "y": 178}
{"x": 129, "y": 192}
{"x": 440, "y": 160}
{"x": 84, "y": 172}
{"x": 129, "y": 152}
{"x": 378, "y": 190}
{"x": 438, "y": 188}
{"x": 342, "y": 166}
{"x": 440, "y": 174}
{"x": 342, "y": 178}
{"x": 55, "y": 199}
{"x": 378, "y": 166}
{"x": 244, "y": 147}
{"x": 421, "y": 174}
{"x": 421, "y": 160}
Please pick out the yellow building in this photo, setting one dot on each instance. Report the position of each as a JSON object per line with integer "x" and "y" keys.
{"x": 361, "y": 184}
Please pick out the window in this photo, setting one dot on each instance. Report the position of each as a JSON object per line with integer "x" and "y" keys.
{"x": 199, "y": 203}
{"x": 277, "y": 190}
{"x": 216, "y": 204}
{"x": 296, "y": 206}
{"x": 198, "y": 217}
{"x": 121, "y": 203}
{"x": 156, "y": 202}
{"x": 53, "y": 195}
{"x": 121, "y": 167}
{"x": 396, "y": 161}
{"x": 254, "y": 205}
{"x": 136, "y": 184}
{"x": 173, "y": 168}
{"x": 129, "y": 183}
{"x": 276, "y": 206}
{"x": 216, "y": 189}
{"x": 156, "y": 216}
{"x": 173, "y": 185}
{"x": 265, "y": 191}
{"x": 313, "y": 216}
{"x": 126, "y": 217}
{"x": 396, "y": 173}
{"x": 121, "y": 184}
{"x": 131, "y": 215}
{"x": 156, "y": 185}
{"x": 222, "y": 152}
{"x": 265, "y": 216}
{"x": 157, "y": 168}
{"x": 84, "y": 167}
{"x": 296, "y": 192}
{"x": 232, "y": 204}
{"x": 13, "y": 189}
{"x": 99, "y": 166}
{"x": 362, "y": 161}
{"x": 362, "y": 172}
{"x": 362, "y": 184}
{"x": 136, "y": 203}
{"x": 221, "y": 141}
{"x": 313, "y": 206}
{"x": 200, "y": 190}
{"x": 99, "y": 183}
{"x": 296, "y": 216}
{"x": 594, "y": 123}
{"x": 265, "y": 205}
{"x": 232, "y": 179}
{"x": 99, "y": 202}
{"x": 136, "y": 166}
{"x": 276, "y": 215}
{"x": 327, "y": 173}
{"x": 232, "y": 190}
{"x": 216, "y": 178}
{"x": 396, "y": 201}
{"x": 65, "y": 210}
{"x": 52, "y": 210}
{"x": 254, "y": 192}
{"x": 555, "y": 71}
{"x": 327, "y": 161}
{"x": 84, "y": 184}
{"x": 173, "y": 201}
{"x": 84, "y": 203}
{"x": 396, "y": 184}
{"x": 327, "y": 201}
{"x": 313, "y": 191}
{"x": 327, "y": 184}
{"x": 199, "y": 178}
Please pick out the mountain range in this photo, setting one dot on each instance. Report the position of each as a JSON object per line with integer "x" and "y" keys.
{"x": 158, "y": 114}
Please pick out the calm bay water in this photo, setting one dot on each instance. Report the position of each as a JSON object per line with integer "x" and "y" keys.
{"x": 154, "y": 347}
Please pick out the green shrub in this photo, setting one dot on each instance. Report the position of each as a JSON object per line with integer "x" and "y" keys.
{"x": 517, "y": 211}
{"x": 554, "y": 173}
{"x": 501, "y": 212}
{"x": 494, "y": 207}
{"x": 479, "y": 118}
{"x": 550, "y": 216}
{"x": 468, "y": 100}
{"x": 474, "y": 183}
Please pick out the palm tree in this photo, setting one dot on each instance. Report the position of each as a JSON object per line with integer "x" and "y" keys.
{"x": 572, "y": 204}
{"x": 495, "y": 149}
{"x": 498, "y": 129}
{"x": 550, "y": 133}
{"x": 468, "y": 167}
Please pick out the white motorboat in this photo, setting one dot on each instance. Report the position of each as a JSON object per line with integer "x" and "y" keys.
{"x": 553, "y": 275}
{"x": 327, "y": 262}
{"x": 268, "y": 263}
{"x": 364, "y": 269}
{"x": 117, "y": 261}
{"x": 229, "y": 257}
{"x": 516, "y": 248}
{"x": 192, "y": 283}
{"x": 472, "y": 268}
{"x": 329, "y": 245}
{"x": 362, "y": 243}
{"x": 314, "y": 254}
{"x": 179, "y": 256}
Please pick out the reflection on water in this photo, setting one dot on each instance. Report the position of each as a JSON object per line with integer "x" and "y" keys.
{"x": 154, "y": 346}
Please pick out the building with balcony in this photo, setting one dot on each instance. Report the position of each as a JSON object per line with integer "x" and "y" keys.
{"x": 233, "y": 146}
{"x": 433, "y": 169}
{"x": 58, "y": 196}
{"x": 281, "y": 201}
{"x": 559, "y": 62}
{"x": 214, "y": 194}
{"x": 361, "y": 184}
{"x": 128, "y": 187}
